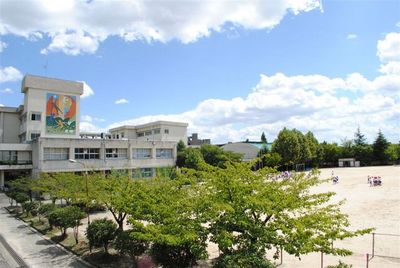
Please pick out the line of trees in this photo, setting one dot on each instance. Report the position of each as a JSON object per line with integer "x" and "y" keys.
{"x": 294, "y": 147}
{"x": 245, "y": 212}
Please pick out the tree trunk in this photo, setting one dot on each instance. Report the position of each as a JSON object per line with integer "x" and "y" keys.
{"x": 121, "y": 225}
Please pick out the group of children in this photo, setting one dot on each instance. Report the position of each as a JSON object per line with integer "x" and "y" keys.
{"x": 374, "y": 180}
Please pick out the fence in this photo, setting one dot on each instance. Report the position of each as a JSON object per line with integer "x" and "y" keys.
{"x": 385, "y": 248}
{"x": 395, "y": 239}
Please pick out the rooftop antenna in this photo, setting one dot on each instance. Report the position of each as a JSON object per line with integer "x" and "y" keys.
{"x": 45, "y": 67}
{"x": 321, "y": 8}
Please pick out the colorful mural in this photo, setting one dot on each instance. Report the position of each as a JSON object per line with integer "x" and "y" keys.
{"x": 60, "y": 114}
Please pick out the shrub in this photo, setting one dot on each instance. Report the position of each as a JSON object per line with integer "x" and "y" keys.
{"x": 100, "y": 233}
{"x": 45, "y": 209}
{"x": 127, "y": 243}
{"x": 21, "y": 198}
{"x": 340, "y": 265}
{"x": 66, "y": 217}
{"x": 240, "y": 259}
{"x": 31, "y": 207}
{"x": 174, "y": 256}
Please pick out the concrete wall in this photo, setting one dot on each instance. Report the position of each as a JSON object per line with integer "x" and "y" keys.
{"x": 9, "y": 125}
{"x": 36, "y": 89}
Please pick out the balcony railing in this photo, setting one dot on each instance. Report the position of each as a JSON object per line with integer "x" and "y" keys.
{"x": 15, "y": 162}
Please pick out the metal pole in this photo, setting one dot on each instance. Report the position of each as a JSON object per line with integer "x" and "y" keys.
{"x": 322, "y": 259}
{"x": 367, "y": 259}
{"x": 281, "y": 255}
{"x": 87, "y": 194}
{"x": 373, "y": 244}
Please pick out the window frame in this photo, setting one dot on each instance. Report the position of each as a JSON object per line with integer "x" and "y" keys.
{"x": 87, "y": 153}
{"x": 55, "y": 153}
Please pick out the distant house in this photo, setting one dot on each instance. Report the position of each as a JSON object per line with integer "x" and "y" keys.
{"x": 194, "y": 141}
{"x": 249, "y": 149}
{"x": 348, "y": 162}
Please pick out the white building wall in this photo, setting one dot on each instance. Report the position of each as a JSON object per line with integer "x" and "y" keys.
{"x": 9, "y": 125}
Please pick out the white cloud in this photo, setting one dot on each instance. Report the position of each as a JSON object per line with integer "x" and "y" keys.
{"x": 121, "y": 101}
{"x": 351, "y": 36}
{"x": 7, "y": 91}
{"x": 1, "y": 105}
{"x": 10, "y": 74}
{"x": 330, "y": 107}
{"x": 89, "y": 119}
{"x": 89, "y": 127}
{"x": 389, "y": 48}
{"x": 77, "y": 26}
{"x": 87, "y": 90}
{"x": 3, "y": 46}
{"x": 86, "y": 118}
{"x": 72, "y": 44}
{"x": 392, "y": 67}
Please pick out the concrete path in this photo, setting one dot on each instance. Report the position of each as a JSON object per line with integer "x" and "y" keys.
{"x": 30, "y": 246}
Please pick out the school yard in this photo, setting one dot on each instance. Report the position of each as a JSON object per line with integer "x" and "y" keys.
{"x": 377, "y": 207}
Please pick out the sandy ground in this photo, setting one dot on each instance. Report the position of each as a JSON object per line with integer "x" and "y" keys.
{"x": 368, "y": 207}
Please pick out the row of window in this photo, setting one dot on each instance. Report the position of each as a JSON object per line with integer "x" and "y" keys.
{"x": 111, "y": 153}
{"x": 152, "y": 132}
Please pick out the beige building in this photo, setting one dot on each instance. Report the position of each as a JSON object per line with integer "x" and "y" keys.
{"x": 42, "y": 135}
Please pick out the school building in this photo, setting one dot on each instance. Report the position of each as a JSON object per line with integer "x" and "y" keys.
{"x": 42, "y": 135}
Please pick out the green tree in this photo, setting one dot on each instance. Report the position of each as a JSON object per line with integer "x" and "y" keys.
{"x": 328, "y": 154}
{"x": 100, "y": 233}
{"x": 194, "y": 158}
{"x": 180, "y": 146}
{"x": 359, "y": 138}
{"x": 250, "y": 213}
{"x": 21, "y": 198}
{"x": 263, "y": 138}
{"x": 379, "y": 146}
{"x": 393, "y": 152}
{"x": 23, "y": 185}
{"x": 128, "y": 243}
{"x": 66, "y": 217}
{"x": 216, "y": 156}
{"x": 288, "y": 146}
{"x": 347, "y": 148}
{"x": 30, "y": 207}
{"x": 45, "y": 209}
{"x": 174, "y": 225}
{"x": 115, "y": 192}
{"x": 312, "y": 144}
{"x": 363, "y": 153}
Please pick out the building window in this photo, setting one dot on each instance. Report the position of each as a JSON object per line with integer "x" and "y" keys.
{"x": 122, "y": 135}
{"x": 142, "y": 153}
{"x": 156, "y": 131}
{"x": 35, "y": 136}
{"x": 164, "y": 153}
{"x": 143, "y": 173}
{"x": 56, "y": 154}
{"x": 114, "y": 153}
{"x": 36, "y": 116}
{"x": 140, "y": 134}
{"x": 7, "y": 157}
{"x": 166, "y": 131}
{"x": 87, "y": 153}
{"x": 147, "y": 133}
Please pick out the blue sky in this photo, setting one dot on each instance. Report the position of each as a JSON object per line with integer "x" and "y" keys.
{"x": 231, "y": 69}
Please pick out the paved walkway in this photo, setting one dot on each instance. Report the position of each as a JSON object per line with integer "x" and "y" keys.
{"x": 30, "y": 246}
